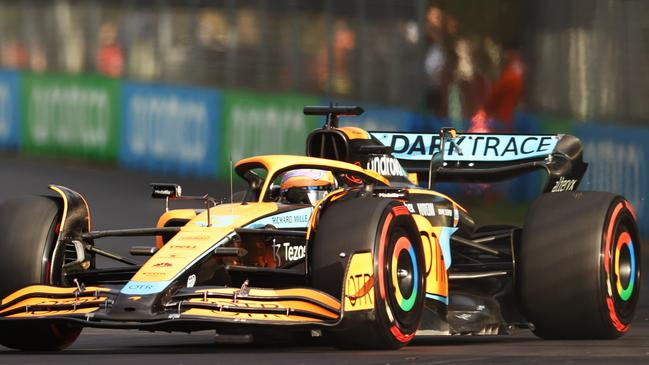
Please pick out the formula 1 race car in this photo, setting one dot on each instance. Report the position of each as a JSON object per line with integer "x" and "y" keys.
{"x": 343, "y": 243}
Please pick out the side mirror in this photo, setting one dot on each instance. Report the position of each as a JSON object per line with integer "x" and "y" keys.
{"x": 165, "y": 191}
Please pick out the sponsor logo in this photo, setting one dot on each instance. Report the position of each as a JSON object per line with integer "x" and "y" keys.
{"x": 289, "y": 219}
{"x": 191, "y": 281}
{"x": 392, "y": 195}
{"x": 469, "y": 147}
{"x": 386, "y": 166}
{"x": 423, "y": 209}
{"x": 291, "y": 253}
{"x": 564, "y": 185}
{"x": 168, "y": 127}
{"x": 139, "y": 288}
{"x": 295, "y": 252}
{"x": 183, "y": 246}
{"x": 163, "y": 192}
{"x": 426, "y": 209}
{"x": 445, "y": 211}
{"x": 281, "y": 125}
{"x": 70, "y": 115}
{"x": 162, "y": 264}
{"x": 360, "y": 285}
{"x": 293, "y": 219}
{"x": 411, "y": 209}
{"x": 150, "y": 273}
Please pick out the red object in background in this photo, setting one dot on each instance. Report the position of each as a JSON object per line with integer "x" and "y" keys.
{"x": 14, "y": 55}
{"x": 506, "y": 92}
{"x": 110, "y": 60}
{"x": 479, "y": 122}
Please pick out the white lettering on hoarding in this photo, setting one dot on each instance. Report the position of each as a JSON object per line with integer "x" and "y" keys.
{"x": 5, "y": 111}
{"x": 168, "y": 128}
{"x": 70, "y": 115}
{"x": 257, "y": 130}
{"x": 617, "y": 167}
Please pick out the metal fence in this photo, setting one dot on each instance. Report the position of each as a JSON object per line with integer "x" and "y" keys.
{"x": 374, "y": 51}
{"x": 362, "y": 49}
{"x": 589, "y": 59}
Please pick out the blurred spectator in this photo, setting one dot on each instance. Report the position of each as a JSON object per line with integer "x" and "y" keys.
{"x": 14, "y": 54}
{"x": 344, "y": 42}
{"x": 110, "y": 59}
{"x": 504, "y": 96}
{"x": 441, "y": 59}
{"x": 508, "y": 88}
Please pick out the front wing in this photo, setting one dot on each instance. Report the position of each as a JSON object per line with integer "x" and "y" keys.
{"x": 189, "y": 309}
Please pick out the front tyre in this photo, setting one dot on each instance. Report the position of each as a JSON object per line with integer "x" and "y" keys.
{"x": 29, "y": 229}
{"x": 401, "y": 288}
{"x": 386, "y": 229}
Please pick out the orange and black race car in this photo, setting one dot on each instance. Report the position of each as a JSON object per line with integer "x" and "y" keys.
{"x": 343, "y": 243}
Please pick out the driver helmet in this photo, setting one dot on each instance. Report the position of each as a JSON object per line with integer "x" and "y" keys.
{"x": 306, "y": 186}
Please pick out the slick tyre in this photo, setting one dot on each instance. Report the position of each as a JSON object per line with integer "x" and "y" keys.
{"x": 578, "y": 267}
{"x": 387, "y": 230}
{"x": 29, "y": 227}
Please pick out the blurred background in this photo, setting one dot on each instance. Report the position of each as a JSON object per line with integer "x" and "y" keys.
{"x": 181, "y": 88}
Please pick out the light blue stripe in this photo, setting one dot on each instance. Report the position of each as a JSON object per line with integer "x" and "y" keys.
{"x": 143, "y": 288}
{"x": 439, "y": 298}
{"x": 445, "y": 244}
{"x": 298, "y": 218}
{"x": 469, "y": 147}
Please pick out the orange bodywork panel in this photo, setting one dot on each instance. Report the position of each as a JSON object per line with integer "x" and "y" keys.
{"x": 359, "y": 283}
{"x": 436, "y": 275}
{"x": 275, "y": 163}
{"x": 36, "y": 300}
{"x": 355, "y": 132}
{"x": 293, "y": 305}
{"x": 175, "y": 214}
{"x": 195, "y": 238}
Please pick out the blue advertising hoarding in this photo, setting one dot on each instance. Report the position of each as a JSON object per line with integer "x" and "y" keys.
{"x": 9, "y": 109}
{"x": 170, "y": 129}
{"x": 617, "y": 158}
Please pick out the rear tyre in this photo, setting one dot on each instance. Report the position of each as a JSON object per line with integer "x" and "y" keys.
{"x": 29, "y": 229}
{"x": 578, "y": 269}
{"x": 385, "y": 228}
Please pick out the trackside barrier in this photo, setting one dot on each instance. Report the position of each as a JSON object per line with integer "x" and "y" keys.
{"x": 70, "y": 115}
{"x": 617, "y": 158}
{"x": 263, "y": 123}
{"x": 9, "y": 109}
{"x": 170, "y": 129}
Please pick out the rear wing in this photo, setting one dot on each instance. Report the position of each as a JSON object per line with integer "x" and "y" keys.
{"x": 475, "y": 157}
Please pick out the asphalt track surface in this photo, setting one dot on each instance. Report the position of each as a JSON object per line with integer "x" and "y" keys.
{"x": 120, "y": 199}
